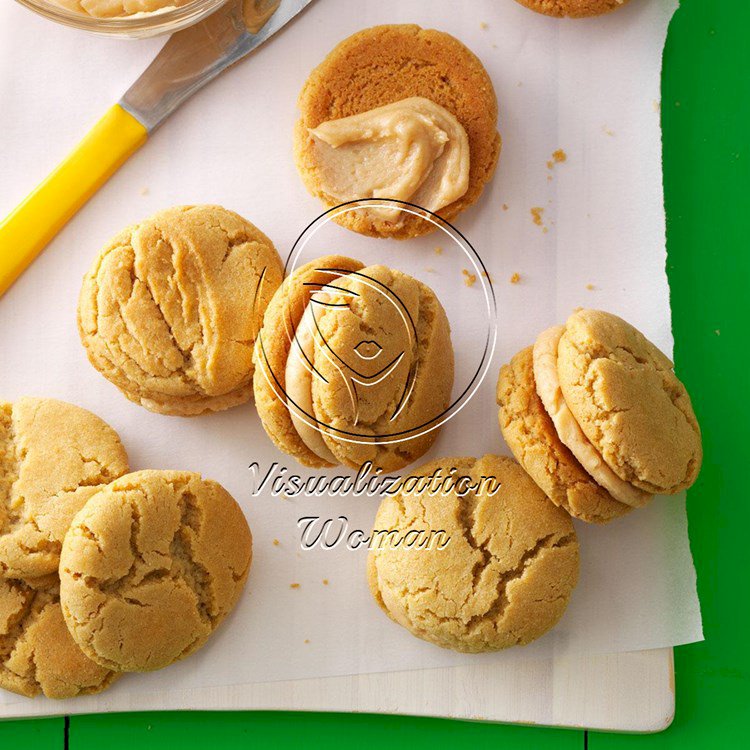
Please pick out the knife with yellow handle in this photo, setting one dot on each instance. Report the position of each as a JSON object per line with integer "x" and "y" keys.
{"x": 187, "y": 62}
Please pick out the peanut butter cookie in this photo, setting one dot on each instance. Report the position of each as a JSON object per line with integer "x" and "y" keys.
{"x": 170, "y": 309}
{"x": 573, "y": 8}
{"x": 151, "y": 566}
{"x": 384, "y": 65}
{"x": 567, "y": 428}
{"x": 629, "y": 403}
{"x": 352, "y": 365}
{"x": 505, "y": 574}
{"x": 53, "y": 457}
{"x": 530, "y": 434}
{"x": 37, "y": 653}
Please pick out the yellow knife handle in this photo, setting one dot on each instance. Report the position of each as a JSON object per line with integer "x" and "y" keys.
{"x": 25, "y": 232}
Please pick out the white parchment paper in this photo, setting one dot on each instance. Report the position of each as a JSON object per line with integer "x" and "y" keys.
{"x": 589, "y": 87}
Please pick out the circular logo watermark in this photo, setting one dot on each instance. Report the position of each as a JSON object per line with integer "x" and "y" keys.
{"x": 361, "y": 335}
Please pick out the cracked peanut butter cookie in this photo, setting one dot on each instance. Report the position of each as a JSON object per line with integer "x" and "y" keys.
{"x": 624, "y": 394}
{"x": 531, "y": 435}
{"x": 506, "y": 574}
{"x": 53, "y": 457}
{"x": 573, "y": 8}
{"x": 150, "y": 568}
{"x": 389, "y": 67}
{"x": 37, "y": 652}
{"x": 170, "y": 309}
{"x": 352, "y": 365}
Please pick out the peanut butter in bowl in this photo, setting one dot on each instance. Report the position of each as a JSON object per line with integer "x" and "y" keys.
{"x": 118, "y": 8}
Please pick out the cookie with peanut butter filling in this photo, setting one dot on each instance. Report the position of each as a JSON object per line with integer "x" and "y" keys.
{"x": 353, "y": 365}
{"x": 397, "y": 112}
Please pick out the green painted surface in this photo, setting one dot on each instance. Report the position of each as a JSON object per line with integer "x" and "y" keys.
{"x": 706, "y": 116}
{"x": 32, "y": 734}
{"x": 706, "y": 119}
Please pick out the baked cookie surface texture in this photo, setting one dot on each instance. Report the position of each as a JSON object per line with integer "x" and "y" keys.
{"x": 170, "y": 309}
{"x": 506, "y": 573}
{"x": 37, "y": 653}
{"x": 53, "y": 457}
{"x": 530, "y": 434}
{"x": 150, "y": 568}
{"x": 353, "y": 365}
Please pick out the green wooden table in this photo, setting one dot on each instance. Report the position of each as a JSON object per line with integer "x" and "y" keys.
{"x": 706, "y": 120}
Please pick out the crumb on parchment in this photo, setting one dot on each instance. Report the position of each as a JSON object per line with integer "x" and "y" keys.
{"x": 469, "y": 278}
{"x": 505, "y": 206}
{"x": 438, "y": 250}
{"x": 590, "y": 287}
{"x": 276, "y": 542}
{"x": 515, "y": 278}
{"x": 484, "y": 26}
{"x": 488, "y": 277}
{"x": 325, "y": 581}
{"x": 536, "y": 215}
{"x": 293, "y": 585}
{"x": 558, "y": 157}
{"x": 307, "y": 640}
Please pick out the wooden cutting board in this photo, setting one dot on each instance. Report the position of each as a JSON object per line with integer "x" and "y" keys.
{"x": 630, "y": 692}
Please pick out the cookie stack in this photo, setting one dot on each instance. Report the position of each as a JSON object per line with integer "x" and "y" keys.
{"x": 53, "y": 458}
{"x": 596, "y": 415}
{"x": 104, "y": 572}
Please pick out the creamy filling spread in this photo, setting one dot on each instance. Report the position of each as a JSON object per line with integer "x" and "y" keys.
{"x": 118, "y": 8}
{"x": 299, "y": 383}
{"x": 413, "y": 150}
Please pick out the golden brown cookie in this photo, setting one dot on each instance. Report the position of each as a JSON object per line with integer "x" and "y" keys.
{"x": 151, "y": 566}
{"x": 53, "y": 457}
{"x": 530, "y": 434}
{"x": 386, "y": 64}
{"x": 573, "y": 8}
{"x": 170, "y": 308}
{"x": 506, "y": 573}
{"x": 37, "y": 653}
{"x": 364, "y": 370}
{"x": 624, "y": 394}
{"x": 568, "y": 430}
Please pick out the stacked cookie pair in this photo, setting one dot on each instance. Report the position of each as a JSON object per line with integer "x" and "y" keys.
{"x": 596, "y": 415}
{"x": 101, "y": 571}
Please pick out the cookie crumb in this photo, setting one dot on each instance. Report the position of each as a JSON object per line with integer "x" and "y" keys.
{"x": 488, "y": 277}
{"x": 276, "y": 542}
{"x": 607, "y": 131}
{"x": 293, "y": 585}
{"x": 438, "y": 250}
{"x": 505, "y": 206}
{"x": 469, "y": 278}
{"x": 558, "y": 157}
{"x": 325, "y": 581}
{"x": 536, "y": 215}
{"x": 515, "y": 278}
{"x": 307, "y": 640}
{"x": 484, "y": 26}
{"x": 545, "y": 230}
{"x": 590, "y": 287}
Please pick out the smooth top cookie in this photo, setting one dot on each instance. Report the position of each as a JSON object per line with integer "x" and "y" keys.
{"x": 367, "y": 369}
{"x": 624, "y": 394}
{"x": 170, "y": 309}
{"x": 530, "y": 434}
{"x": 384, "y": 65}
{"x": 504, "y": 576}
{"x": 151, "y": 566}
{"x": 37, "y": 653}
{"x": 53, "y": 457}
{"x": 573, "y": 8}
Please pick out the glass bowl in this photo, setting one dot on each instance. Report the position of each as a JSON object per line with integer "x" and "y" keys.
{"x": 151, "y": 24}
